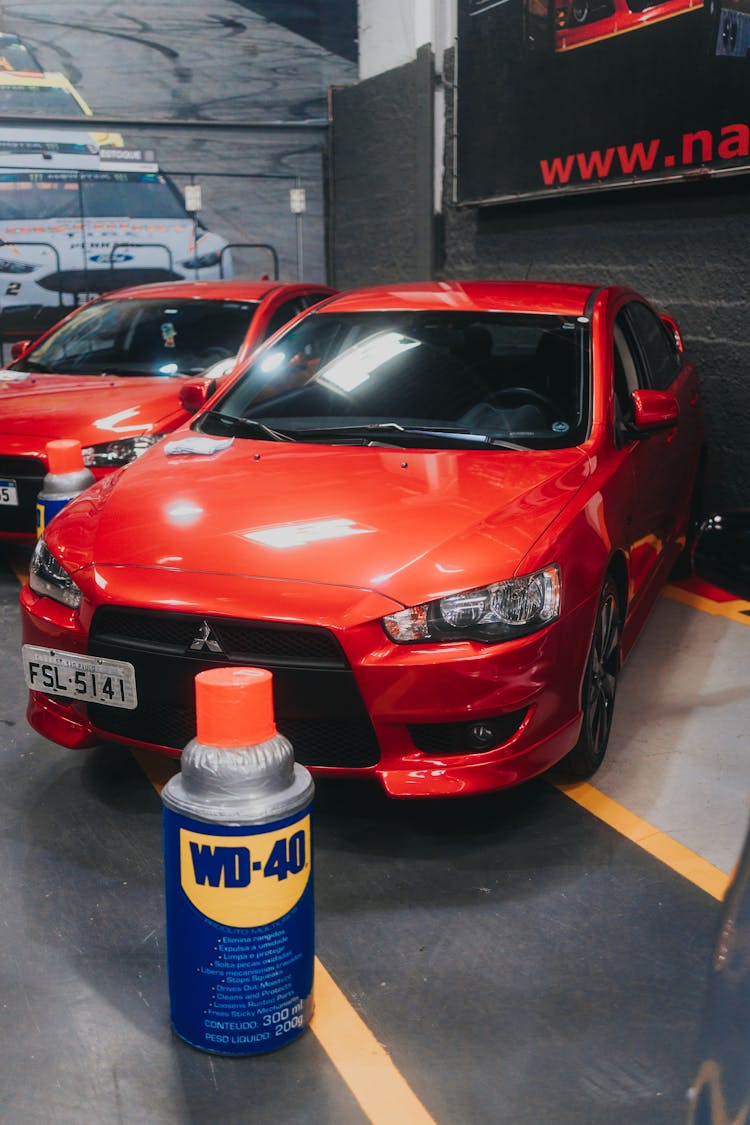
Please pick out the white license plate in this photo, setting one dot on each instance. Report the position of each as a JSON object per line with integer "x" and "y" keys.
{"x": 8, "y": 493}
{"x": 88, "y": 678}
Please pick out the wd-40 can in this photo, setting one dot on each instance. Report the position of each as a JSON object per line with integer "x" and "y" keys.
{"x": 238, "y": 874}
{"x": 67, "y": 477}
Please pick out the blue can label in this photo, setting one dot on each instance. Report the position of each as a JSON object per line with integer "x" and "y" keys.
{"x": 240, "y": 931}
{"x": 46, "y": 510}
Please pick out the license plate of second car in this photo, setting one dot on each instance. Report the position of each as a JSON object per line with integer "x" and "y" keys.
{"x": 8, "y": 492}
{"x": 91, "y": 679}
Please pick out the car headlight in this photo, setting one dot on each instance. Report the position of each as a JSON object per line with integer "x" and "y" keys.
{"x": 13, "y": 265}
{"x": 202, "y": 261}
{"x": 111, "y": 454}
{"x": 487, "y": 614}
{"x": 49, "y": 577}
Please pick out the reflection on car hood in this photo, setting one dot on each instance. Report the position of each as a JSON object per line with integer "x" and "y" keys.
{"x": 91, "y": 408}
{"x": 410, "y": 524}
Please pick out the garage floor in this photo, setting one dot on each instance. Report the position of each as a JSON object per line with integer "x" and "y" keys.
{"x": 535, "y": 956}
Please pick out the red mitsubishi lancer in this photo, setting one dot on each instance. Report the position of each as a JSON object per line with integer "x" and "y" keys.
{"x": 115, "y": 375}
{"x": 438, "y": 513}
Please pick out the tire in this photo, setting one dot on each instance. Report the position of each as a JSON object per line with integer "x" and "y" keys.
{"x": 599, "y": 686}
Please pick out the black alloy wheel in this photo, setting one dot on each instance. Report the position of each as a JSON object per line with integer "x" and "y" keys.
{"x": 599, "y": 686}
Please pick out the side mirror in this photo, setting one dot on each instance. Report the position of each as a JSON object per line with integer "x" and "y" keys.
{"x": 654, "y": 410}
{"x": 195, "y": 392}
{"x": 18, "y": 349}
{"x": 721, "y": 552}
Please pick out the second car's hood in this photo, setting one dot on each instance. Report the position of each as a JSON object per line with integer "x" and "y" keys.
{"x": 410, "y": 524}
{"x": 91, "y": 408}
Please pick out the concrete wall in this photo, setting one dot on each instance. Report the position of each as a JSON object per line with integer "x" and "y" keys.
{"x": 381, "y": 199}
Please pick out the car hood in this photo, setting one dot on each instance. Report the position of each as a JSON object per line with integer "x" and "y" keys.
{"x": 412, "y": 525}
{"x": 91, "y": 408}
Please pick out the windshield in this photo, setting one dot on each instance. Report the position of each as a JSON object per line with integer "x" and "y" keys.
{"x": 40, "y": 101}
{"x": 68, "y": 195}
{"x": 416, "y": 378}
{"x": 143, "y": 337}
{"x": 15, "y": 55}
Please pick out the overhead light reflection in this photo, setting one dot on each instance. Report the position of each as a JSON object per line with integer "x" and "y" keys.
{"x": 300, "y": 534}
{"x": 357, "y": 365}
{"x": 183, "y": 512}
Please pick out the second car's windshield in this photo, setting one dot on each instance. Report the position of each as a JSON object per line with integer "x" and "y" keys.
{"x": 143, "y": 337}
{"x": 417, "y": 378}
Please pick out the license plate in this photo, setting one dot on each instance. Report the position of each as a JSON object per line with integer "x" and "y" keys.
{"x": 88, "y": 678}
{"x": 8, "y": 493}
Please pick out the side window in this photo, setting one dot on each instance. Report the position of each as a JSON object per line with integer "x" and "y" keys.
{"x": 657, "y": 345}
{"x": 284, "y": 312}
{"x": 627, "y": 376}
{"x": 311, "y": 299}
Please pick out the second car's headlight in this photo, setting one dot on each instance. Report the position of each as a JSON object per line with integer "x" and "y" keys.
{"x": 489, "y": 613}
{"x": 49, "y": 577}
{"x": 111, "y": 454}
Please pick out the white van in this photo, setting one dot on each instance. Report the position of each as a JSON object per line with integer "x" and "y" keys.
{"x": 77, "y": 220}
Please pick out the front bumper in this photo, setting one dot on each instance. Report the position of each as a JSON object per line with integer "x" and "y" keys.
{"x": 527, "y": 692}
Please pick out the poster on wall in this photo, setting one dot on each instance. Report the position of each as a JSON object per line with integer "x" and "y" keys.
{"x": 565, "y": 96}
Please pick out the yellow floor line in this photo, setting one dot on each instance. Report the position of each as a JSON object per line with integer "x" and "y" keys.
{"x": 675, "y": 855}
{"x": 362, "y": 1062}
{"x": 360, "y": 1059}
{"x": 19, "y": 560}
{"x": 733, "y": 610}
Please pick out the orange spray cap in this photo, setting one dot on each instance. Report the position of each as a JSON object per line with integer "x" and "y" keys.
{"x": 64, "y": 456}
{"x": 234, "y": 707}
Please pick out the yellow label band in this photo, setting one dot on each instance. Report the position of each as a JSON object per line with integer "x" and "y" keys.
{"x": 246, "y": 881}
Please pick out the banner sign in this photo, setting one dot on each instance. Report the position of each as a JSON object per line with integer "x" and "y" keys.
{"x": 564, "y": 96}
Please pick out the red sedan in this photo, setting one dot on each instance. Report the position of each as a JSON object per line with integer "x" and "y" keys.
{"x": 112, "y": 375}
{"x": 439, "y": 513}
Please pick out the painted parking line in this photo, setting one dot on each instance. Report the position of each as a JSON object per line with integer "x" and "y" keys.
{"x": 18, "y": 560}
{"x": 734, "y": 609}
{"x": 675, "y": 855}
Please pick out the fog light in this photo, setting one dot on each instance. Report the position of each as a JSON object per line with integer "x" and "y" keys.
{"x": 481, "y": 735}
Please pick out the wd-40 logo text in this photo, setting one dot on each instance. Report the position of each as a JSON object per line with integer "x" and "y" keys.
{"x": 700, "y": 148}
{"x": 246, "y": 881}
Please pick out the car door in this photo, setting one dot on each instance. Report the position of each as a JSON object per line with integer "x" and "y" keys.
{"x": 656, "y": 461}
{"x": 669, "y": 370}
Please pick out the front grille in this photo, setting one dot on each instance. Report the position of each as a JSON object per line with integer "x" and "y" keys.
{"x": 316, "y": 699}
{"x": 28, "y": 474}
{"x": 248, "y": 640}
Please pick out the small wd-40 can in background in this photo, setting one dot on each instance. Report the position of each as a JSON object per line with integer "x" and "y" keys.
{"x": 66, "y": 478}
{"x": 238, "y": 874}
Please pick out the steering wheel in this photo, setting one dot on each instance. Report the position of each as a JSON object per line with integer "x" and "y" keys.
{"x": 525, "y": 396}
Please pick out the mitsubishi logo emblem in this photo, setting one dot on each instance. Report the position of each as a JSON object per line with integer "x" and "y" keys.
{"x": 204, "y": 638}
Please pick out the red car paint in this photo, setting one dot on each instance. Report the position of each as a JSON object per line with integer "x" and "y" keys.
{"x": 96, "y": 409}
{"x": 317, "y": 535}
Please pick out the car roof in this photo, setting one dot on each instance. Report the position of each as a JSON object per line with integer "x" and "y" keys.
{"x": 467, "y": 296}
{"x": 212, "y": 290}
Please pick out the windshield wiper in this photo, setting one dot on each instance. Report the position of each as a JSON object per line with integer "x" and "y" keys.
{"x": 407, "y": 431}
{"x": 229, "y": 421}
